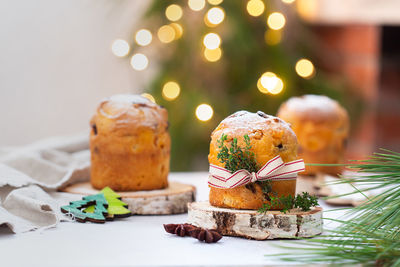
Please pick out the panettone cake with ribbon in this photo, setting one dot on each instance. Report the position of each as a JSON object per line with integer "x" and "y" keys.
{"x": 253, "y": 158}
{"x": 252, "y": 180}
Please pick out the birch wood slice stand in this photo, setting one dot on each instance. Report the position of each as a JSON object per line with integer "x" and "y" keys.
{"x": 253, "y": 225}
{"x": 172, "y": 200}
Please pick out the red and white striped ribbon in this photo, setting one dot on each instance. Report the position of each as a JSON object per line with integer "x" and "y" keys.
{"x": 275, "y": 169}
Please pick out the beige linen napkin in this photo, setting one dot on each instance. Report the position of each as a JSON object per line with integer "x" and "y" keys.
{"x": 30, "y": 175}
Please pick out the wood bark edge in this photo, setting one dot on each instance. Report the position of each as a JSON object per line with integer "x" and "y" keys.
{"x": 253, "y": 225}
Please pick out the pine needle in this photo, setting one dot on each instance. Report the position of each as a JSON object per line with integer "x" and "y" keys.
{"x": 372, "y": 235}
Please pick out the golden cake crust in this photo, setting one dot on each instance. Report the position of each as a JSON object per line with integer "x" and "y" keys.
{"x": 129, "y": 144}
{"x": 322, "y": 128}
{"x": 269, "y": 137}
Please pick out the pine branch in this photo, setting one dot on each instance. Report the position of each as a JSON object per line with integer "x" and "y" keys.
{"x": 347, "y": 246}
{"x": 372, "y": 236}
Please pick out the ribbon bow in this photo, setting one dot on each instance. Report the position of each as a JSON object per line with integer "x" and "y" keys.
{"x": 274, "y": 169}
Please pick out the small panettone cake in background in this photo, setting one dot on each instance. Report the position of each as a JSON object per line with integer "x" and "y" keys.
{"x": 130, "y": 153}
{"x": 253, "y": 158}
{"x": 129, "y": 144}
{"x": 322, "y": 128}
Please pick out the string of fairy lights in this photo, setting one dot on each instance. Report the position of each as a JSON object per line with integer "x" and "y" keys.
{"x": 268, "y": 83}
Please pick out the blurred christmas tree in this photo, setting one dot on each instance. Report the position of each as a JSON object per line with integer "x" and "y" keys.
{"x": 217, "y": 57}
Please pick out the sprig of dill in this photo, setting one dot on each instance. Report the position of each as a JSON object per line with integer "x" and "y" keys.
{"x": 236, "y": 158}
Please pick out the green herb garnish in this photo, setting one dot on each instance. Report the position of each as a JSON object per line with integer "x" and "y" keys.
{"x": 266, "y": 189}
{"x": 236, "y": 158}
{"x": 305, "y": 201}
{"x": 302, "y": 201}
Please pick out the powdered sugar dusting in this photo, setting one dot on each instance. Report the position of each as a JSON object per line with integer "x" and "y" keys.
{"x": 316, "y": 103}
{"x": 117, "y": 105}
{"x": 249, "y": 121}
{"x": 128, "y": 98}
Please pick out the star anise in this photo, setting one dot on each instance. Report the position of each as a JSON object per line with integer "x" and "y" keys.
{"x": 179, "y": 229}
{"x": 207, "y": 235}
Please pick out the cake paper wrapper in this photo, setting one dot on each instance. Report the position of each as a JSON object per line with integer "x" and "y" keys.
{"x": 29, "y": 177}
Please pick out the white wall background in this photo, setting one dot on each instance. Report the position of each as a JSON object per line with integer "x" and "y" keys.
{"x": 56, "y": 63}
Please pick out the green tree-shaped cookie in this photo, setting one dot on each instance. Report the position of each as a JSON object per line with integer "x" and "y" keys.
{"x": 116, "y": 207}
{"x": 98, "y": 214}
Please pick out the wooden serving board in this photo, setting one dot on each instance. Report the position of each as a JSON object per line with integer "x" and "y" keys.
{"x": 253, "y": 225}
{"x": 171, "y": 200}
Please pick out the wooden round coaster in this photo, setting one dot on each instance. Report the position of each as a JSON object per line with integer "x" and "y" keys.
{"x": 254, "y": 225}
{"x": 171, "y": 200}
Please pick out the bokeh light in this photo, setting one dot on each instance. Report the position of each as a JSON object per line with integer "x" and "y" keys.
{"x": 149, "y": 97}
{"x": 287, "y": 1}
{"x": 215, "y": 16}
{"x": 143, "y": 37}
{"x": 270, "y": 83}
{"x": 166, "y": 34}
{"x": 171, "y": 90}
{"x": 212, "y": 55}
{"x": 212, "y": 41}
{"x": 255, "y": 7}
{"x": 273, "y": 37}
{"x": 120, "y": 48}
{"x": 276, "y": 21}
{"x": 139, "y": 61}
{"x": 214, "y": 2}
{"x": 173, "y": 12}
{"x": 178, "y": 30}
{"x": 261, "y": 87}
{"x": 305, "y": 68}
{"x": 307, "y": 9}
{"x": 196, "y": 5}
{"x": 278, "y": 86}
{"x": 204, "y": 112}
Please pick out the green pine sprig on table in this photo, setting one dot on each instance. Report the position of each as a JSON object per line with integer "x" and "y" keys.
{"x": 372, "y": 235}
{"x": 349, "y": 245}
{"x": 236, "y": 158}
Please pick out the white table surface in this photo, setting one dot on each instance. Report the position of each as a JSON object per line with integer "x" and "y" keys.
{"x": 135, "y": 241}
